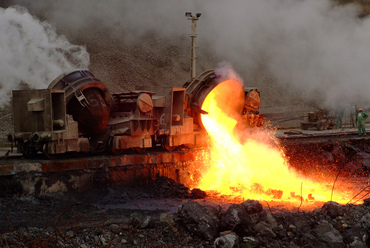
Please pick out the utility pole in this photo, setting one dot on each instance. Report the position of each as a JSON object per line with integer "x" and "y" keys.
{"x": 193, "y": 36}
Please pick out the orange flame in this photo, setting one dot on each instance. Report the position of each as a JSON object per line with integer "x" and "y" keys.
{"x": 253, "y": 168}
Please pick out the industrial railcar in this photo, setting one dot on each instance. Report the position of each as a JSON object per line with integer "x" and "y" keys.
{"x": 78, "y": 114}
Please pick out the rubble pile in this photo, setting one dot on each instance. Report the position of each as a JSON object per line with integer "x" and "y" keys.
{"x": 65, "y": 221}
{"x": 251, "y": 225}
{"x": 165, "y": 187}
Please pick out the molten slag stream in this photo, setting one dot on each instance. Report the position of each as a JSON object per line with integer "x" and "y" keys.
{"x": 254, "y": 169}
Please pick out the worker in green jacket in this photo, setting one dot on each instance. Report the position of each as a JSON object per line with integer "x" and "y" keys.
{"x": 361, "y": 117}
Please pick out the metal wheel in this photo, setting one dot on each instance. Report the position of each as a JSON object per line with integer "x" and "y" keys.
{"x": 168, "y": 148}
{"x": 139, "y": 149}
{"x": 45, "y": 152}
{"x": 111, "y": 150}
{"x": 165, "y": 146}
{"x": 115, "y": 151}
{"x": 190, "y": 146}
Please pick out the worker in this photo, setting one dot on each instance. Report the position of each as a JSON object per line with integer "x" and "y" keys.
{"x": 361, "y": 117}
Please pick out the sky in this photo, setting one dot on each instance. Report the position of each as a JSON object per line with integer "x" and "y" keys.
{"x": 312, "y": 45}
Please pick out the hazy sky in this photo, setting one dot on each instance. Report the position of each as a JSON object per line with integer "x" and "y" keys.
{"x": 310, "y": 44}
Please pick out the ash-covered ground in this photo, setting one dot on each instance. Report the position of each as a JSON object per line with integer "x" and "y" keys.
{"x": 168, "y": 214}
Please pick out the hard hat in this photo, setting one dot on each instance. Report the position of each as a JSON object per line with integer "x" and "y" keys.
{"x": 360, "y": 109}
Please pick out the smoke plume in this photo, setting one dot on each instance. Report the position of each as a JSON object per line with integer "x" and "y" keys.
{"x": 226, "y": 71}
{"x": 32, "y": 53}
{"x": 312, "y": 45}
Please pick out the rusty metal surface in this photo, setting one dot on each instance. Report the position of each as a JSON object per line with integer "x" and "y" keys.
{"x": 98, "y": 162}
{"x": 284, "y": 137}
{"x": 93, "y": 117}
{"x": 139, "y": 119}
{"x": 42, "y": 176}
{"x": 34, "y": 111}
{"x": 18, "y": 165}
{"x": 80, "y": 174}
{"x": 87, "y": 99}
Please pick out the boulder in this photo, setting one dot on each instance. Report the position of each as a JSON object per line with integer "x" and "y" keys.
{"x": 241, "y": 218}
{"x": 198, "y": 220}
{"x": 354, "y": 235}
{"x": 365, "y": 221}
{"x": 332, "y": 209}
{"x": 327, "y": 233}
{"x": 141, "y": 221}
{"x": 227, "y": 241}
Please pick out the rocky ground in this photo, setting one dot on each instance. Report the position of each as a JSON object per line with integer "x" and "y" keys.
{"x": 167, "y": 214}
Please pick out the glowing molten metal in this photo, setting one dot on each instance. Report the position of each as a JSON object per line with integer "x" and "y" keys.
{"x": 250, "y": 165}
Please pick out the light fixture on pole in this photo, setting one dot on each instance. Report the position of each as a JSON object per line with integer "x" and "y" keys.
{"x": 193, "y": 36}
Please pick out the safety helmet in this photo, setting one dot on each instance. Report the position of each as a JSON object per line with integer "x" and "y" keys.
{"x": 360, "y": 109}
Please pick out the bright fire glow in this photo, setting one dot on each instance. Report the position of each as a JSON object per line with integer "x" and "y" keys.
{"x": 253, "y": 168}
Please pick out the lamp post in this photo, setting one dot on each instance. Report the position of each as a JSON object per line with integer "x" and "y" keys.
{"x": 193, "y": 36}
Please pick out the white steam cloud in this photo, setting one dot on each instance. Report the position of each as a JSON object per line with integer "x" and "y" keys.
{"x": 312, "y": 45}
{"x": 226, "y": 71}
{"x": 32, "y": 53}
